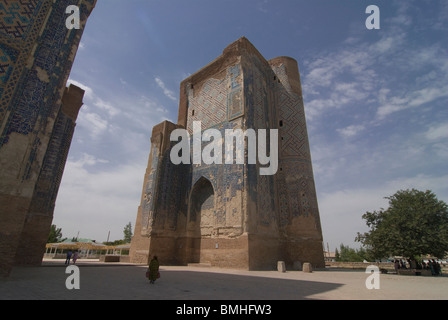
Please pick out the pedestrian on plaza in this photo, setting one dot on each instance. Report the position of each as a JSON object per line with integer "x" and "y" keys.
{"x": 402, "y": 264}
{"x": 69, "y": 255}
{"x": 432, "y": 267}
{"x": 437, "y": 268}
{"x": 153, "y": 270}
{"x": 75, "y": 257}
{"x": 396, "y": 265}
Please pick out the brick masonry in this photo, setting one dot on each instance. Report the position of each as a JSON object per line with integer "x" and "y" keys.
{"x": 37, "y": 120}
{"x": 230, "y": 215}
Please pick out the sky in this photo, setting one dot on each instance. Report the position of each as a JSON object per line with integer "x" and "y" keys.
{"x": 375, "y": 99}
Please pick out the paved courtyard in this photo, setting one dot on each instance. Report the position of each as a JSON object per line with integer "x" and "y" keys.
{"x": 123, "y": 282}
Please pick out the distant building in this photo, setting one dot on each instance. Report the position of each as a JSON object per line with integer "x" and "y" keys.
{"x": 330, "y": 256}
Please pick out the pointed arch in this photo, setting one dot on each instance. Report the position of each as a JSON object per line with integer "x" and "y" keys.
{"x": 201, "y": 216}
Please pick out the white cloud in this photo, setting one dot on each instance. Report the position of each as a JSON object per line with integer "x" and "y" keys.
{"x": 387, "y": 43}
{"x": 86, "y": 160}
{"x": 413, "y": 99}
{"x": 93, "y": 122}
{"x": 437, "y": 132}
{"x": 388, "y": 109}
{"x": 324, "y": 87}
{"x": 170, "y": 94}
{"x": 351, "y": 131}
{"x": 341, "y": 211}
{"x": 111, "y": 110}
{"x": 94, "y": 201}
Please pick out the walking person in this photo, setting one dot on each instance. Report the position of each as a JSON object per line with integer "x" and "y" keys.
{"x": 69, "y": 255}
{"x": 432, "y": 267}
{"x": 153, "y": 270}
{"x": 396, "y": 266}
{"x": 75, "y": 257}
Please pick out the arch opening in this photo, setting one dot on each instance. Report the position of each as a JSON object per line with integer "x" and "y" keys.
{"x": 201, "y": 218}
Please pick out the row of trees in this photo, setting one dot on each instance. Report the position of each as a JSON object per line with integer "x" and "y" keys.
{"x": 55, "y": 236}
{"x": 413, "y": 226}
{"x": 347, "y": 254}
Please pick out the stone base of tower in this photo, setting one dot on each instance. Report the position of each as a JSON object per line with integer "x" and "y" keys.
{"x": 304, "y": 251}
{"x": 13, "y": 213}
{"x": 266, "y": 251}
{"x": 225, "y": 253}
{"x": 246, "y": 252}
{"x": 216, "y": 252}
{"x": 31, "y": 249}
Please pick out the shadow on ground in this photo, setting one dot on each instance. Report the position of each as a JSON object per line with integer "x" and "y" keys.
{"x": 129, "y": 282}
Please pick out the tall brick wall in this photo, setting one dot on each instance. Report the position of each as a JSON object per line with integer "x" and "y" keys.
{"x": 229, "y": 215}
{"x": 37, "y": 115}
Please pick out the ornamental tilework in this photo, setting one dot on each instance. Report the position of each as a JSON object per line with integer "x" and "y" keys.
{"x": 8, "y": 57}
{"x": 235, "y": 107}
{"x": 209, "y": 106}
{"x": 16, "y": 16}
{"x": 291, "y": 112}
{"x": 30, "y": 15}
{"x": 203, "y": 208}
{"x": 53, "y": 165}
{"x": 36, "y": 117}
{"x": 39, "y": 86}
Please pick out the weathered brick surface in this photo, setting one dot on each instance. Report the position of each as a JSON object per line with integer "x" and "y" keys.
{"x": 228, "y": 215}
{"x": 37, "y": 119}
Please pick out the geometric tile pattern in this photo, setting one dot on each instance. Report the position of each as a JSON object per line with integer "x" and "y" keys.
{"x": 52, "y": 169}
{"x": 20, "y": 24}
{"x": 36, "y": 55}
{"x": 217, "y": 102}
{"x": 297, "y": 197}
{"x": 37, "y": 99}
{"x": 210, "y": 106}
{"x": 16, "y": 15}
{"x": 264, "y": 183}
{"x": 234, "y": 101}
{"x": 31, "y": 93}
{"x": 251, "y": 93}
{"x": 293, "y": 132}
{"x": 8, "y": 57}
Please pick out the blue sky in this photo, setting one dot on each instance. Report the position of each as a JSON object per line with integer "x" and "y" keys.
{"x": 375, "y": 100}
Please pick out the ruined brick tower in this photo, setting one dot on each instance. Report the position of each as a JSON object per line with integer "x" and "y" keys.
{"x": 228, "y": 215}
{"x": 37, "y": 120}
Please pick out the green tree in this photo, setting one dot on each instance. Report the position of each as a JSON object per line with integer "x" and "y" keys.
{"x": 127, "y": 233}
{"x": 415, "y": 224}
{"x": 55, "y": 234}
{"x": 337, "y": 256}
{"x": 348, "y": 254}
